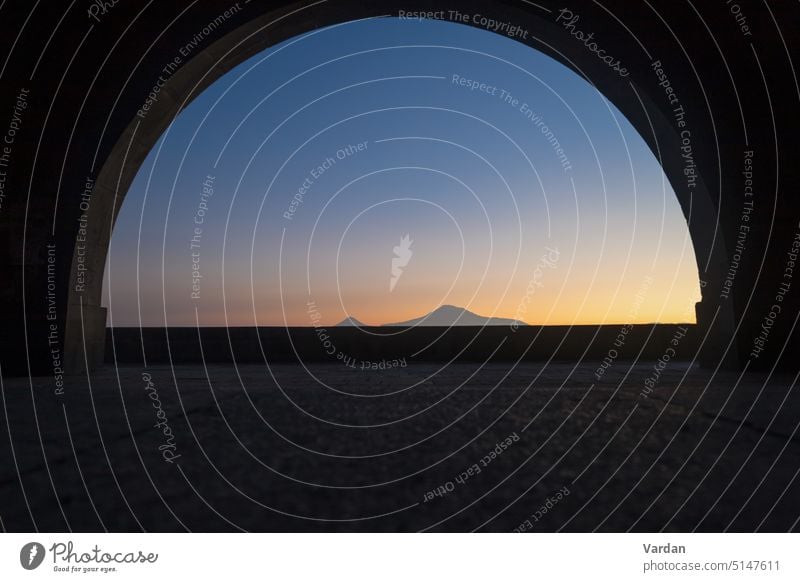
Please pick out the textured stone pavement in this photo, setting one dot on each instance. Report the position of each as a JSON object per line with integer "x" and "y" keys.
{"x": 332, "y": 448}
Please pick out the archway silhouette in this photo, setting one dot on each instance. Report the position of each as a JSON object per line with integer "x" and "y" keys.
{"x": 703, "y": 165}
{"x": 203, "y": 69}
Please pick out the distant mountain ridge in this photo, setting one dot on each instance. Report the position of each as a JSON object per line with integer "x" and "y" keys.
{"x": 450, "y": 315}
{"x": 444, "y": 316}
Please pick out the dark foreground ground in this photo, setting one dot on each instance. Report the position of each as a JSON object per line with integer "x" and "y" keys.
{"x": 275, "y": 450}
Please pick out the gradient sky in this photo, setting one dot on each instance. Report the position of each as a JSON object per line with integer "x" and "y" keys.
{"x": 499, "y": 226}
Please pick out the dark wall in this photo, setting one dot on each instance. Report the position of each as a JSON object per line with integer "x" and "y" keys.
{"x": 382, "y": 348}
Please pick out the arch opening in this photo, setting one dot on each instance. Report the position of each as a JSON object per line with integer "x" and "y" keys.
{"x": 234, "y": 54}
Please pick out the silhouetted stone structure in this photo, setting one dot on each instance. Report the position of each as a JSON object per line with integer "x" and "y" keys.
{"x": 711, "y": 91}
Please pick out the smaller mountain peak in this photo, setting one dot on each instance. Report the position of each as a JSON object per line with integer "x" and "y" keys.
{"x": 350, "y": 322}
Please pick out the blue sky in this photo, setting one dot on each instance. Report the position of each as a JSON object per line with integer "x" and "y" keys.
{"x": 468, "y": 175}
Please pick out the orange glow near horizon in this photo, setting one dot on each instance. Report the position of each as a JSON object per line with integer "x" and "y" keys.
{"x": 553, "y": 296}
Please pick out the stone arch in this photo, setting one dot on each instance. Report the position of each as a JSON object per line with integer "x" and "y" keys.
{"x": 716, "y": 121}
